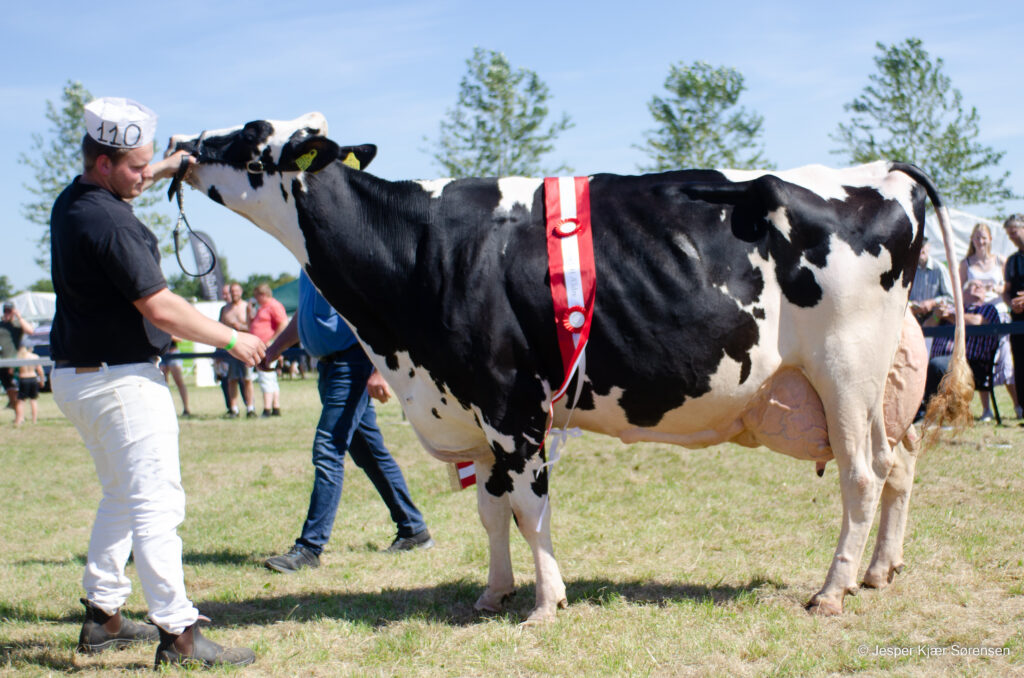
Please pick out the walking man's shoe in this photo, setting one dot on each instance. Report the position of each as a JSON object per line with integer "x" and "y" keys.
{"x": 420, "y": 540}
{"x": 191, "y": 648}
{"x": 293, "y": 561}
{"x": 102, "y": 631}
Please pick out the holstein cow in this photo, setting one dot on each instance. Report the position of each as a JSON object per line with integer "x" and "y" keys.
{"x": 756, "y": 308}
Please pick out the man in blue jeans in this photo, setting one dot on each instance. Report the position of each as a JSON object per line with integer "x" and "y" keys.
{"x": 347, "y": 381}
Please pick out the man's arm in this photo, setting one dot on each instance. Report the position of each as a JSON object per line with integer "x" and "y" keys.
{"x": 172, "y": 314}
{"x": 26, "y": 326}
{"x": 288, "y": 336}
{"x": 164, "y": 169}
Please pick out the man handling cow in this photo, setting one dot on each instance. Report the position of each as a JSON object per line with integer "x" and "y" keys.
{"x": 114, "y": 315}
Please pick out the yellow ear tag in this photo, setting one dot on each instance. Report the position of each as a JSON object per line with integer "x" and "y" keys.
{"x": 304, "y": 161}
{"x": 351, "y": 160}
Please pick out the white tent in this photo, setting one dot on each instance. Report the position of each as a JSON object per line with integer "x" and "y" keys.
{"x": 963, "y": 223}
{"x": 36, "y": 307}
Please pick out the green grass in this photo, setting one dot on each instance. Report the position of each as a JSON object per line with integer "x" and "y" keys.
{"x": 676, "y": 562}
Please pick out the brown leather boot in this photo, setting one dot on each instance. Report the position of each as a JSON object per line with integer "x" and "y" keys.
{"x": 102, "y": 631}
{"x": 192, "y": 648}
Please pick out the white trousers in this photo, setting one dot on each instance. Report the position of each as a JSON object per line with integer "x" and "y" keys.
{"x": 127, "y": 420}
{"x": 267, "y": 381}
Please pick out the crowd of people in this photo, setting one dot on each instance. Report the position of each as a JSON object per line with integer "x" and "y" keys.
{"x": 115, "y": 316}
{"x": 993, "y": 291}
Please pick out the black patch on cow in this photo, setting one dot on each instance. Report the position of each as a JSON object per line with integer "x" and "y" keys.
{"x": 392, "y": 362}
{"x": 540, "y": 482}
{"x": 412, "y": 372}
{"x": 505, "y": 464}
{"x": 444, "y": 401}
{"x": 284, "y": 193}
{"x": 758, "y": 313}
{"x": 433, "y": 411}
{"x": 214, "y": 195}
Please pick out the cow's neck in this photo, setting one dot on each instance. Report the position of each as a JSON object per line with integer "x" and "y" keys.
{"x": 361, "y": 237}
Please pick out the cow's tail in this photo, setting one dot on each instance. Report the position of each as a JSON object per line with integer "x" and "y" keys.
{"x": 951, "y": 405}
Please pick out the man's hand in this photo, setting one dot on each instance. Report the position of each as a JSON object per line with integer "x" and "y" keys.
{"x": 1017, "y": 303}
{"x": 163, "y": 169}
{"x": 923, "y": 307}
{"x": 377, "y": 387}
{"x": 249, "y": 348}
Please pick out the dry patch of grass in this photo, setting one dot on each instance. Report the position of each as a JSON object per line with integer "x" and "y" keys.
{"x": 677, "y": 562}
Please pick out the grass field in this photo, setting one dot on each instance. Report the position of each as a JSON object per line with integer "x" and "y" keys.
{"x": 677, "y": 562}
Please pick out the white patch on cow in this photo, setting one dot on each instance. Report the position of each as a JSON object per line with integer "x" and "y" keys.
{"x": 517, "y": 191}
{"x": 264, "y": 206}
{"x": 452, "y": 433}
{"x": 780, "y": 219}
{"x": 827, "y": 182}
{"x": 434, "y": 186}
{"x": 723, "y": 215}
{"x": 831, "y": 183}
{"x": 682, "y": 240}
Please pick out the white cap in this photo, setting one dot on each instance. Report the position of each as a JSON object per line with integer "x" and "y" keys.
{"x": 119, "y": 122}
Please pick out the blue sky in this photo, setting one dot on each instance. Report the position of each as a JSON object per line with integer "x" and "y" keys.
{"x": 387, "y": 72}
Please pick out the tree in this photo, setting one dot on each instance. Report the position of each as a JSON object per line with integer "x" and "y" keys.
{"x": 497, "y": 127}
{"x": 701, "y": 125}
{"x": 259, "y": 278}
{"x": 6, "y": 290}
{"x": 56, "y": 158}
{"x": 910, "y": 112}
{"x": 41, "y": 285}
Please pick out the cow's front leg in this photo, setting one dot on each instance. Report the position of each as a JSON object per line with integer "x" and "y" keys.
{"x": 495, "y": 514}
{"x": 887, "y": 560}
{"x": 863, "y": 469}
{"x": 533, "y": 517}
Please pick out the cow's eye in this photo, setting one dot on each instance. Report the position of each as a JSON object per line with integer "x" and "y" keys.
{"x": 254, "y": 167}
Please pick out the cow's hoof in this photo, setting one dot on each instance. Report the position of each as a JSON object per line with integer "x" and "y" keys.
{"x": 879, "y": 578}
{"x": 492, "y": 602}
{"x": 544, "y": 615}
{"x": 824, "y": 607}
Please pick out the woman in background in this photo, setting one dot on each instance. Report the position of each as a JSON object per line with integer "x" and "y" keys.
{"x": 982, "y": 264}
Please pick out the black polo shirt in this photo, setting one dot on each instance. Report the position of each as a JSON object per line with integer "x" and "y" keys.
{"x": 1014, "y": 274}
{"x": 102, "y": 259}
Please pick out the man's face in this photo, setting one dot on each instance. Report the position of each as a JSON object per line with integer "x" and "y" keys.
{"x": 236, "y": 293}
{"x": 126, "y": 177}
{"x": 922, "y": 259}
{"x": 974, "y": 293}
{"x": 225, "y": 293}
{"x": 1016, "y": 236}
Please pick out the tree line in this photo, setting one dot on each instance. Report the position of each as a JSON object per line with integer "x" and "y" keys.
{"x": 501, "y": 125}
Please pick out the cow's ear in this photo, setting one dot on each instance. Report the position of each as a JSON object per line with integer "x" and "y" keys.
{"x": 357, "y": 157}
{"x": 310, "y": 154}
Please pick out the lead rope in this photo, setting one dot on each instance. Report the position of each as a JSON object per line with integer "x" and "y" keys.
{"x": 560, "y": 436}
{"x": 175, "y": 191}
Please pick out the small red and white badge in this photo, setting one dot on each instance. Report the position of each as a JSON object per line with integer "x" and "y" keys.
{"x": 462, "y": 474}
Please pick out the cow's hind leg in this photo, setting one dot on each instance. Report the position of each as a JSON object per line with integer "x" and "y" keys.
{"x": 887, "y": 560}
{"x": 495, "y": 514}
{"x": 864, "y": 458}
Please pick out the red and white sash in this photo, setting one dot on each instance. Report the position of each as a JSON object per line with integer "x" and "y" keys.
{"x": 570, "y": 268}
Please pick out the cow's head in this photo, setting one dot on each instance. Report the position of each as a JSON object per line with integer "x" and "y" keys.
{"x": 253, "y": 169}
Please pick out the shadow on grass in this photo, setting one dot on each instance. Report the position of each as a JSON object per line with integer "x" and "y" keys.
{"x": 234, "y": 558}
{"x": 452, "y": 603}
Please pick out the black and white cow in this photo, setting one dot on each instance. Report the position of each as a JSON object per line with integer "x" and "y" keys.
{"x": 718, "y": 293}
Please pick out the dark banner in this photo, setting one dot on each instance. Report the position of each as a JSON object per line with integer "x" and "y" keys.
{"x": 205, "y": 254}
